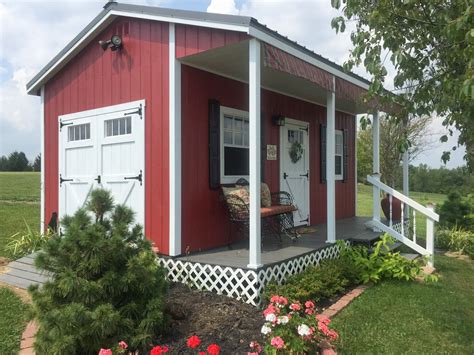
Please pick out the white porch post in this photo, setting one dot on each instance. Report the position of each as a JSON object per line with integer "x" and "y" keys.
{"x": 175, "y": 146}
{"x": 376, "y": 165}
{"x": 254, "y": 151}
{"x": 42, "y": 221}
{"x": 331, "y": 164}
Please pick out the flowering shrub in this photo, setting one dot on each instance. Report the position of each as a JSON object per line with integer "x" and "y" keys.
{"x": 294, "y": 327}
{"x": 193, "y": 342}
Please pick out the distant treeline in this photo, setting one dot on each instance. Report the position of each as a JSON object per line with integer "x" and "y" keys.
{"x": 17, "y": 161}
{"x": 425, "y": 179}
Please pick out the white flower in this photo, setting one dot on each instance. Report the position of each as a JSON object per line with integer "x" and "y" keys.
{"x": 282, "y": 320}
{"x": 266, "y": 329}
{"x": 304, "y": 330}
{"x": 270, "y": 317}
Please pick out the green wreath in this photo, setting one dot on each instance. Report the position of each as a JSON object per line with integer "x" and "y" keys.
{"x": 296, "y": 152}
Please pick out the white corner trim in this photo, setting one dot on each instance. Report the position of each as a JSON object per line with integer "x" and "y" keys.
{"x": 254, "y": 32}
{"x": 355, "y": 164}
{"x": 330, "y": 166}
{"x": 42, "y": 187}
{"x": 174, "y": 145}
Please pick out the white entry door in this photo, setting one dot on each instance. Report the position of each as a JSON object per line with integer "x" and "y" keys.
{"x": 103, "y": 148}
{"x": 294, "y": 166}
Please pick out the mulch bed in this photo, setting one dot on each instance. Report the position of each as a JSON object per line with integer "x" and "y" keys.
{"x": 229, "y": 323}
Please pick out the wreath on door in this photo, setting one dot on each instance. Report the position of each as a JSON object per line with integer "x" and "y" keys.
{"x": 296, "y": 152}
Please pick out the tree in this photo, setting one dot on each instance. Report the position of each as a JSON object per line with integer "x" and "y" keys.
{"x": 392, "y": 138}
{"x": 17, "y": 161}
{"x": 3, "y": 163}
{"x": 37, "y": 163}
{"x": 106, "y": 284}
{"x": 431, "y": 46}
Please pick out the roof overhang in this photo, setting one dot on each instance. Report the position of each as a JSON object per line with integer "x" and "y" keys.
{"x": 225, "y": 22}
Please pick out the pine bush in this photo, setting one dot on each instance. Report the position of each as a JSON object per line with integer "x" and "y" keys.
{"x": 106, "y": 283}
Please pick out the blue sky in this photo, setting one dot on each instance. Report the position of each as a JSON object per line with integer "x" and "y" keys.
{"x": 33, "y": 31}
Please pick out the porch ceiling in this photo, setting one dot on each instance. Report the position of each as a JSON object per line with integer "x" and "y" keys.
{"x": 232, "y": 61}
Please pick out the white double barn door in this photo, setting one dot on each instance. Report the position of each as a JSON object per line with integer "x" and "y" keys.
{"x": 103, "y": 148}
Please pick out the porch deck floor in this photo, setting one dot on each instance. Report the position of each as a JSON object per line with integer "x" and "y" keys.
{"x": 237, "y": 254}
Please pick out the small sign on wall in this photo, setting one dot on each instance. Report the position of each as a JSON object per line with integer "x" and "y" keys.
{"x": 271, "y": 152}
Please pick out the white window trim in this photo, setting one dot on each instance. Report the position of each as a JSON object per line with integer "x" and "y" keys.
{"x": 340, "y": 176}
{"x": 229, "y": 179}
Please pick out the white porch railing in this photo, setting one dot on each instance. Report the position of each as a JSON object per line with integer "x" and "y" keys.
{"x": 406, "y": 231}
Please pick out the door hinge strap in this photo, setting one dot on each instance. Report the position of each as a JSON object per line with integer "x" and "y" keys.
{"x": 62, "y": 124}
{"x": 61, "y": 180}
{"x": 139, "y": 111}
{"x": 98, "y": 179}
{"x": 138, "y": 177}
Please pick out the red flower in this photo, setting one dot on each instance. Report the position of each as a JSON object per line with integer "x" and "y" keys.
{"x": 202, "y": 353}
{"x": 193, "y": 342}
{"x": 159, "y": 350}
{"x": 213, "y": 349}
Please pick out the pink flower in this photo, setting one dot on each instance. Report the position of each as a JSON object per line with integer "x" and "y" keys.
{"x": 159, "y": 350}
{"x": 202, "y": 353}
{"x": 274, "y": 299}
{"x": 332, "y": 334}
{"x": 193, "y": 342}
{"x": 323, "y": 327}
{"x": 105, "y": 352}
{"x": 279, "y": 300}
{"x": 123, "y": 345}
{"x": 256, "y": 346}
{"x": 322, "y": 318}
{"x": 309, "y": 311}
{"x": 277, "y": 342}
{"x": 249, "y": 353}
{"x": 309, "y": 304}
{"x": 270, "y": 309}
{"x": 213, "y": 349}
{"x": 295, "y": 306}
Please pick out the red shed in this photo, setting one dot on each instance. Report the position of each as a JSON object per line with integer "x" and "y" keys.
{"x": 164, "y": 106}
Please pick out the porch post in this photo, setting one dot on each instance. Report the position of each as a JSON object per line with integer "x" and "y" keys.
{"x": 331, "y": 164}
{"x": 254, "y": 152}
{"x": 376, "y": 165}
{"x": 175, "y": 146}
{"x": 42, "y": 217}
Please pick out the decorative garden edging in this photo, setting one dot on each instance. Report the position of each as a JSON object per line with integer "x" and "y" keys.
{"x": 344, "y": 301}
{"x": 28, "y": 339}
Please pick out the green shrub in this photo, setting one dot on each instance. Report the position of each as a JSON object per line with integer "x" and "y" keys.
{"x": 457, "y": 211}
{"x": 332, "y": 276}
{"x": 27, "y": 242}
{"x": 456, "y": 239}
{"x": 106, "y": 286}
{"x": 381, "y": 263}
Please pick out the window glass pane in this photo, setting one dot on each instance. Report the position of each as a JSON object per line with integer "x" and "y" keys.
{"x": 129, "y": 124}
{"x": 238, "y": 124}
{"x": 88, "y": 131}
{"x": 83, "y": 132}
{"x": 338, "y": 165}
{"x": 246, "y": 140}
{"x": 338, "y": 138}
{"x": 228, "y": 122}
{"x": 339, "y": 149}
{"x": 236, "y": 161}
{"x": 227, "y": 137}
{"x": 71, "y": 133}
{"x": 79, "y": 132}
{"x": 291, "y": 136}
{"x": 246, "y": 127}
{"x": 122, "y": 126}
{"x": 115, "y": 127}
{"x": 238, "y": 138}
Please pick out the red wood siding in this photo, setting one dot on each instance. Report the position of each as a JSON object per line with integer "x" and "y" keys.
{"x": 96, "y": 79}
{"x": 204, "y": 220}
{"x": 192, "y": 40}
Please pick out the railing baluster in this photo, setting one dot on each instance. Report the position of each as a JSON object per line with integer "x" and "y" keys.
{"x": 390, "y": 201}
{"x": 414, "y": 226}
{"x": 402, "y": 206}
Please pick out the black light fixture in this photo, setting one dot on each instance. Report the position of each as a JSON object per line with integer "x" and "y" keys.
{"x": 279, "y": 120}
{"x": 114, "y": 43}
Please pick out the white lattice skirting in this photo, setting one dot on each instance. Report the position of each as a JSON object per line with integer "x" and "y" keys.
{"x": 242, "y": 284}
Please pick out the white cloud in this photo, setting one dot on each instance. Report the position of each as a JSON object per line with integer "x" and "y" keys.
{"x": 223, "y": 7}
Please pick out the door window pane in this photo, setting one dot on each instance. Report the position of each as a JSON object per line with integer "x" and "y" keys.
{"x": 79, "y": 132}
{"x": 118, "y": 126}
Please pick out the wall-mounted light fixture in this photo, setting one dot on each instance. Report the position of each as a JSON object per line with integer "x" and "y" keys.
{"x": 114, "y": 43}
{"x": 279, "y": 120}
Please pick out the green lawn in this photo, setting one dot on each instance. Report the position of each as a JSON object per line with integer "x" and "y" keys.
{"x": 13, "y": 319}
{"x": 413, "y": 318}
{"x": 19, "y": 199}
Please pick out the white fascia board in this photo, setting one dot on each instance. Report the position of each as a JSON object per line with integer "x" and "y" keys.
{"x": 182, "y": 21}
{"x": 254, "y": 32}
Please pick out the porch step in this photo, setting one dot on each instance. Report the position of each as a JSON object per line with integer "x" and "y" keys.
{"x": 410, "y": 256}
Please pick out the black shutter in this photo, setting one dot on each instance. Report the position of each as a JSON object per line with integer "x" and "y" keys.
{"x": 322, "y": 159}
{"x": 214, "y": 145}
{"x": 345, "y": 156}
{"x": 263, "y": 147}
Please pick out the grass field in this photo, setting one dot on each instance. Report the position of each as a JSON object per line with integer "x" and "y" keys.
{"x": 19, "y": 202}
